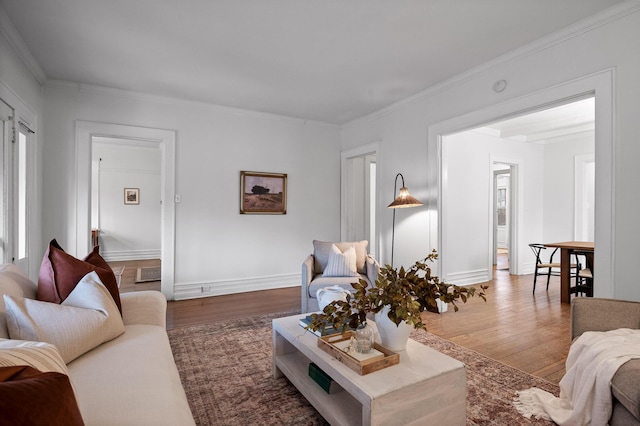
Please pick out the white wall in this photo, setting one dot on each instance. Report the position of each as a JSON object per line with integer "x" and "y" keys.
{"x": 403, "y": 130}
{"x": 559, "y": 180}
{"x": 127, "y": 231}
{"x": 216, "y": 248}
{"x": 468, "y": 159}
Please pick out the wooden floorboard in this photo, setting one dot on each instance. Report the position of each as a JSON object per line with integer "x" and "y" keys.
{"x": 524, "y": 330}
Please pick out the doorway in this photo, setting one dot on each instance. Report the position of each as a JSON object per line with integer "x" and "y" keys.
{"x": 358, "y": 196}
{"x": 165, "y": 140}
{"x": 502, "y": 229}
{"x": 597, "y": 86}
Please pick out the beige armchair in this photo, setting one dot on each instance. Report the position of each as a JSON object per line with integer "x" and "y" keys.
{"x": 595, "y": 314}
{"x": 314, "y": 266}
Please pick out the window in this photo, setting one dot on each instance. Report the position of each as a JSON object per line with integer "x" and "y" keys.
{"x": 21, "y": 194}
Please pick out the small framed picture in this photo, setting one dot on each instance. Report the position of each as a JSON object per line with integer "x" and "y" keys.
{"x": 132, "y": 196}
{"x": 263, "y": 193}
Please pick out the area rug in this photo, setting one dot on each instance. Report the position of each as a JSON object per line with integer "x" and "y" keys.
{"x": 226, "y": 371}
{"x": 144, "y": 275}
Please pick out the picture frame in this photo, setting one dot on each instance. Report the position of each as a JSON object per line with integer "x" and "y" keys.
{"x": 263, "y": 193}
{"x": 131, "y": 196}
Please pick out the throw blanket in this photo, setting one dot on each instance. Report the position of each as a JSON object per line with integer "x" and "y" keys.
{"x": 585, "y": 389}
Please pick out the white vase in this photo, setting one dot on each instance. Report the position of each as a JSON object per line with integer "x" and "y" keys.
{"x": 392, "y": 336}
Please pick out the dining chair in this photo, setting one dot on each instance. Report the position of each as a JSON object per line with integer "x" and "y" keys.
{"x": 584, "y": 275}
{"x": 546, "y": 267}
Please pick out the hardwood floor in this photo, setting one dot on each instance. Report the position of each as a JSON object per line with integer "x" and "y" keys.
{"x": 526, "y": 331}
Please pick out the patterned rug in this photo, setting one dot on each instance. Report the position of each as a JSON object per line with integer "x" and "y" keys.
{"x": 227, "y": 375}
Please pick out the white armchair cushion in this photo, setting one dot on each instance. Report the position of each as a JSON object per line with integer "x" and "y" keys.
{"x": 321, "y": 250}
{"x": 341, "y": 264}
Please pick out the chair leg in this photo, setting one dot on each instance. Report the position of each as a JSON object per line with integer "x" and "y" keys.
{"x": 535, "y": 277}
{"x": 548, "y": 278}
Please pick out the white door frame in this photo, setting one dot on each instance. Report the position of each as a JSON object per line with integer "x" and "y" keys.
{"x": 85, "y": 131}
{"x": 600, "y": 85}
{"x": 372, "y": 148}
{"x": 515, "y": 208}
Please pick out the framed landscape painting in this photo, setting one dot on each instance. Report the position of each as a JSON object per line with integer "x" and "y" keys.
{"x": 263, "y": 193}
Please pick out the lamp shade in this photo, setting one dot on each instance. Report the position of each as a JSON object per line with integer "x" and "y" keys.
{"x": 404, "y": 200}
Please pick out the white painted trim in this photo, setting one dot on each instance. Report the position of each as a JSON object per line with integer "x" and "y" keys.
{"x": 517, "y": 208}
{"x": 195, "y": 289}
{"x": 468, "y": 277}
{"x": 593, "y": 22}
{"x": 120, "y": 255}
{"x": 23, "y": 114}
{"x": 130, "y": 94}
{"x": 166, "y": 140}
{"x": 600, "y": 84}
{"x": 372, "y": 148}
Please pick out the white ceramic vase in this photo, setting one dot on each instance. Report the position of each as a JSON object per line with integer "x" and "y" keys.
{"x": 392, "y": 336}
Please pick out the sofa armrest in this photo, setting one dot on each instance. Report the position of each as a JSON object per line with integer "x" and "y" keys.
{"x": 307, "y": 276}
{"x": 144, "y": 307}
{"x": 597, "y": 314}
{"x": 373, "y": 269}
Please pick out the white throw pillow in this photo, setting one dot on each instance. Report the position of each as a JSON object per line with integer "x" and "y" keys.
{"x": 341, "y": 264}
{"x": 42, "y": 356}
{"x": 87, "y": 318}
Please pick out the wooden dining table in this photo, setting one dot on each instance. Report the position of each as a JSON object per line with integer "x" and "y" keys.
{"x": 566, "y": 250}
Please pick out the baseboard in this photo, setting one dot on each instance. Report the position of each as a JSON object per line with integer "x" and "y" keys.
{"x": 468, "y": 277}
{"x": 192, "y": 290}
{"x": 114, "y": 256}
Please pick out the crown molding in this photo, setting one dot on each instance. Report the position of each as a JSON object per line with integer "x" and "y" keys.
{"x": 131, "y": 94}
{"x": 20, "y": 47}
{"x": 588, "y": 24}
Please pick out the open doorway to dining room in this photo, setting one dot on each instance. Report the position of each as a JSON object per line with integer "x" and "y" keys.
{"x": 525, "y": 192}
{"x": 538, "y": 185}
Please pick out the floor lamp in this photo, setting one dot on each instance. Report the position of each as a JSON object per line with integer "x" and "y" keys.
{"x": 402, "y": 201}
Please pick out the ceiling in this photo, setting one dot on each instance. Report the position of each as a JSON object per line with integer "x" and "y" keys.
{"x": 552, "y": 125}
{"x": 326, "y": 60}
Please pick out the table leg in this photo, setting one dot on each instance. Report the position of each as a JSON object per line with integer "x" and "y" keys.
{"x": 565, "y": 275}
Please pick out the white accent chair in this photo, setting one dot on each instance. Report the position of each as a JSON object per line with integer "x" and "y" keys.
{"x": 314, "y": 265}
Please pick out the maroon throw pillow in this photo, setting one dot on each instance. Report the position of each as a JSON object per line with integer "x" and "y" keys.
{"x": 60, "y": 273}
{"x": 29, "y": 397}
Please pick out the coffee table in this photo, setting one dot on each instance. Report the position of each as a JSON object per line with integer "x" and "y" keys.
{"x": 426, "y": 387}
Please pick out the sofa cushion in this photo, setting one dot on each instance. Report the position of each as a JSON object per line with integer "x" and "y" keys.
{"x": 60, "y": 273}
{"x": 39, "y": 355}
{"x": 31, "y": 397}
{"x": 341, "y": 264}
{"x": 87, "y": 318}
{"x": 14, "y": 283}
{"x": 321, "y": 250}
{"x": 624, "y": 386}
{"x": 131, "y": 380}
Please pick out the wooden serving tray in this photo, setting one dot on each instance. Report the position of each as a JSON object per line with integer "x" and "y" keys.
{"x": 327, "y": 344}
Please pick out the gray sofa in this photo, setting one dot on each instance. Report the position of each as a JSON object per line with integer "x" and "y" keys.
{"x": 314, "y": 265}
{"x": 595, "y": 314}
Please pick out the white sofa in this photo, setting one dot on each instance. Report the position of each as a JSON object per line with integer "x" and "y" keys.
{"x": 130, "y": 380}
